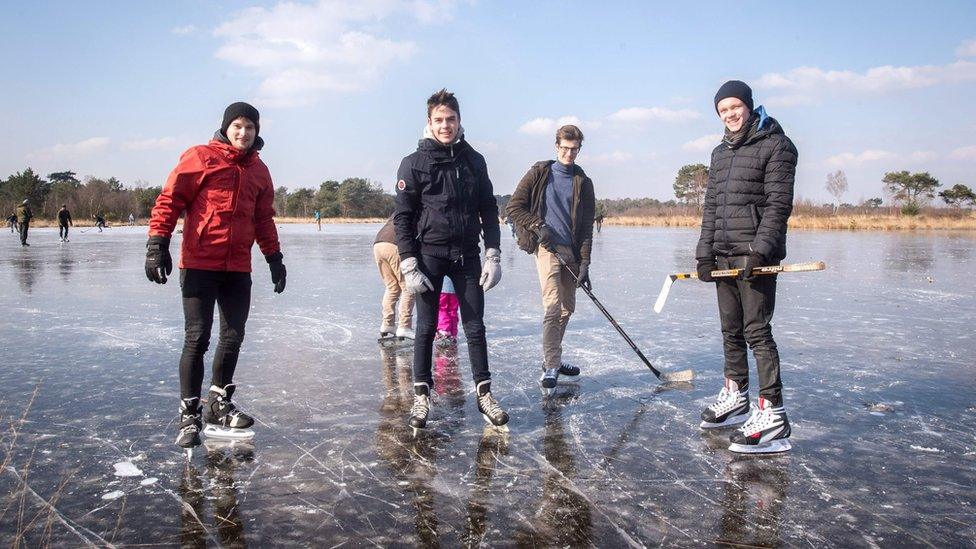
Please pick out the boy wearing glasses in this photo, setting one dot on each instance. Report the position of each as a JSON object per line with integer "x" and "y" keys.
{"x": 553, "y": 208}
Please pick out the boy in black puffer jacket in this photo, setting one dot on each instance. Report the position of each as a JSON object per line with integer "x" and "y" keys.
{"x": 747, "y": 204}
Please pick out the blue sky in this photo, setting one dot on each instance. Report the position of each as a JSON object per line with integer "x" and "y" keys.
{"x": 120, "y": 89}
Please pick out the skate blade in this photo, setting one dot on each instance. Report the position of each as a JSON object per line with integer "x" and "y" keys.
{"x": 734, "y": 420}
{"x": 228, "y": 433}
{"x": 773, "y": 447}
{"x": 500, "y": 428}
{"x": 188, "y": 452}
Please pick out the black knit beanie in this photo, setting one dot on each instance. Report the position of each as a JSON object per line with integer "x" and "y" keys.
{"x": 237, "y": 110}
{"x": 737, "y": 89}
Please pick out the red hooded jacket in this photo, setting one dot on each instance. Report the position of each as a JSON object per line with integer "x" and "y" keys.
{"x": 228, "y": 197}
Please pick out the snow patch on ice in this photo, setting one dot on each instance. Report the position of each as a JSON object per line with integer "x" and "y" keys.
{"x": 148, "y": 481}
{"x": 115, "y": 494}
{"x": 926, "y": 449}
{"x": 126, "y": 469}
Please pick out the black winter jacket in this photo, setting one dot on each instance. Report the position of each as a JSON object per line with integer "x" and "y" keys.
{"x": 528, "y": 204}
{"x": 749, "y": 195}
{"x": 444, "y": 200}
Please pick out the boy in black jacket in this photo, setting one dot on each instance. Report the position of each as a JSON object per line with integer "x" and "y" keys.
{"x": 444, "y": 201}
{"x": 747, "y": 203}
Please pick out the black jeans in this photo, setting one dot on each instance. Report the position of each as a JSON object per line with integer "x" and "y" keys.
{"x": 746, "y": 311}
{"x": 231, "y": 291}
{"x": 465, "y": 274}
{"x": 23, "y": 231}
{"x": 63, "y": 231}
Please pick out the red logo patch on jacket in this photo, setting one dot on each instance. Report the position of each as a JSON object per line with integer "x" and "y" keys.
{"x": 401, "y": 184}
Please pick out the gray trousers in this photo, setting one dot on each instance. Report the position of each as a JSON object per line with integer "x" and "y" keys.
{"x": 746, "y": 311}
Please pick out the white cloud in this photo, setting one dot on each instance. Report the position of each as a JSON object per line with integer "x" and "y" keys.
{"x": 302, "y": 51}
{"x": 640, "y": 115}
{"x": 184, "y": 30}
{"x": 148, "y": 144}
{"x": 967, "y": 48}
{"x": 810, "y": 85}
{"x": 703, "y": 143}
{"x": 610, "y": 158}
{"x": 70, "y": 150}
{"x": 922, "y": 156}
{"x": 964, "y": 153}
{"x": 851, "y": 159}
{"x": 548, "y": 126}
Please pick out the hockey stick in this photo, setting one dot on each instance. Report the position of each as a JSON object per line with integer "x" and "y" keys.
{"x": 683, "y": 375}
{"x": 729, "y": 273}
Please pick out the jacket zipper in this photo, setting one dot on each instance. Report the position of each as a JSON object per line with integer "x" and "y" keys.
{"x": 725, "y": 203}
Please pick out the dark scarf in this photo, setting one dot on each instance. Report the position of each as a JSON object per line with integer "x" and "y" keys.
{"x": 733, "y": 139}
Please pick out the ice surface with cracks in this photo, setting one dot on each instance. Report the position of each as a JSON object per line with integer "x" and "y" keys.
{"x": 877, "y": 355}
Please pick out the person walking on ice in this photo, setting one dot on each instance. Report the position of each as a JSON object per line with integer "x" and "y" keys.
{"x": 748, "y": 201}
{"x": 228, "y": 197}
{"x": 64, "y": 220}
{"x": 388, "y": 261}
{"x": 553, "y": 206}
{"x": 444, "y": 202}
{"x": 24, "y": 216}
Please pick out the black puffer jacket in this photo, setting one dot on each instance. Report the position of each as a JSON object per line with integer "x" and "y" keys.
{"x": 444, "y": 200}
{"x": 749, "y": 195}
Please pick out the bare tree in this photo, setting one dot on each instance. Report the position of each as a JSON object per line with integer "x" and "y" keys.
{"x": 836, "y": 185}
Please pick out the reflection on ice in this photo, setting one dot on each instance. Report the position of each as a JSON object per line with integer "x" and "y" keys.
{"x": 877, "y": 363}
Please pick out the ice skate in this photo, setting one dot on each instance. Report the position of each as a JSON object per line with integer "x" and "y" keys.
{"x": 766, "y": 432}
{"x": 566, "y": 369}
{"x": 190, "y": 423}
{"x": 489, "y": 408}
{"x": 421, "y": 407}
{"x": 223, "y": 419}
{"x": 548, "y": 380}
{"x": 730, "y": 408}
{"x": 405, "y": 333}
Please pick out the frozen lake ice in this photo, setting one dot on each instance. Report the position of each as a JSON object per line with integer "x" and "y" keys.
{"x": 878, "y": 360}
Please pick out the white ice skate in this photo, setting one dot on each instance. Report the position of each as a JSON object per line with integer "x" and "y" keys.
{"x": 766, "y": 432}
{"x": 221, "y": 417}
{"x": 730, "y": 408}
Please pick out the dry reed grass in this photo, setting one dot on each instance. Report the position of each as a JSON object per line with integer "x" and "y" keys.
{"x": 853, "y": 222}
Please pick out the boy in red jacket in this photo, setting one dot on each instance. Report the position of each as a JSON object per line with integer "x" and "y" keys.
{"x": 227, "y": 194}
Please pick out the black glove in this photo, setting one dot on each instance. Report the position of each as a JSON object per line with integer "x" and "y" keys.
{"x": 544, "y": 235}
{"x": 159, "y": 263}
{"x": 584, "y": 276}
{"x": 753, "y": 260}
{"x": 277, "y": 271}
{"x": 705, "y": 268}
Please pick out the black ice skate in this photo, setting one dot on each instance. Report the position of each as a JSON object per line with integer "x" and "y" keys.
{"x": 566, "y": 369}
{"x": 421, "y": 407}
{"x": 766, "y": 432}
{"x": 190, "y": 424}
{"x": 730, "y": 408}
{"x": 489, "y": 408}
{"x": 223, "y": 419}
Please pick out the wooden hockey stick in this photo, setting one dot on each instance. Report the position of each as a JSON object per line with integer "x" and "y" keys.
{"x": 729, "y": 273}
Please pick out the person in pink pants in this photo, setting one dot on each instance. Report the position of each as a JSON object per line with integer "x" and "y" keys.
{"x": 447, "y": 315}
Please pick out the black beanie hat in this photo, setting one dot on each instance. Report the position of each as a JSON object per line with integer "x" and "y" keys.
{"x": 237, "y": 110}
{"x": 735, "y": 88}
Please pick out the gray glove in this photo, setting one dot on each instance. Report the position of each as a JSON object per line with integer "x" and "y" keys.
{"x": 415, "y": 280}
{"x": 491, "y": 271}
{"x": 584, "y": 276}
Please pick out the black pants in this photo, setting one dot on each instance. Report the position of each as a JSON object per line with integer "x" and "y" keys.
{"x": 23, "y": 231}
{"x": 746, "y": 310}
{"x": 465, "y": 275}
{"x": 62, "y": 230}
{"x": 231, "y": 291}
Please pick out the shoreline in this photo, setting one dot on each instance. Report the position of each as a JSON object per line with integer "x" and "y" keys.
{"x": 856, "y": 222}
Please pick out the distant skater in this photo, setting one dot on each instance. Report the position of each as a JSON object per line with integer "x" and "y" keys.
{"x": 12, "y": 222}
{"x": 64, "y": 220}
{"x": 748, "y": 201}
{"x": 318, "y": 219}
{"x": 132, "y": 219}
{"x": 598, "y": 221}
{"x": 24, "y": 216}
{"x": 228, "y": 197}
{"x": 99, "y": 221}
{"x": 388, "y": 261}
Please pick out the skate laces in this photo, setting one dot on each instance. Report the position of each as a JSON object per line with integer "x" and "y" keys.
{"x": 759, "y": 421}
{"x": 421, "y": 406}
{"x": 726, "y": 401}
{"x": 489, "y": 406}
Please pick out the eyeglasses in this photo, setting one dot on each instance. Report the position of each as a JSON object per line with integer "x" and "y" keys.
{"x": 571, "y": 150}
